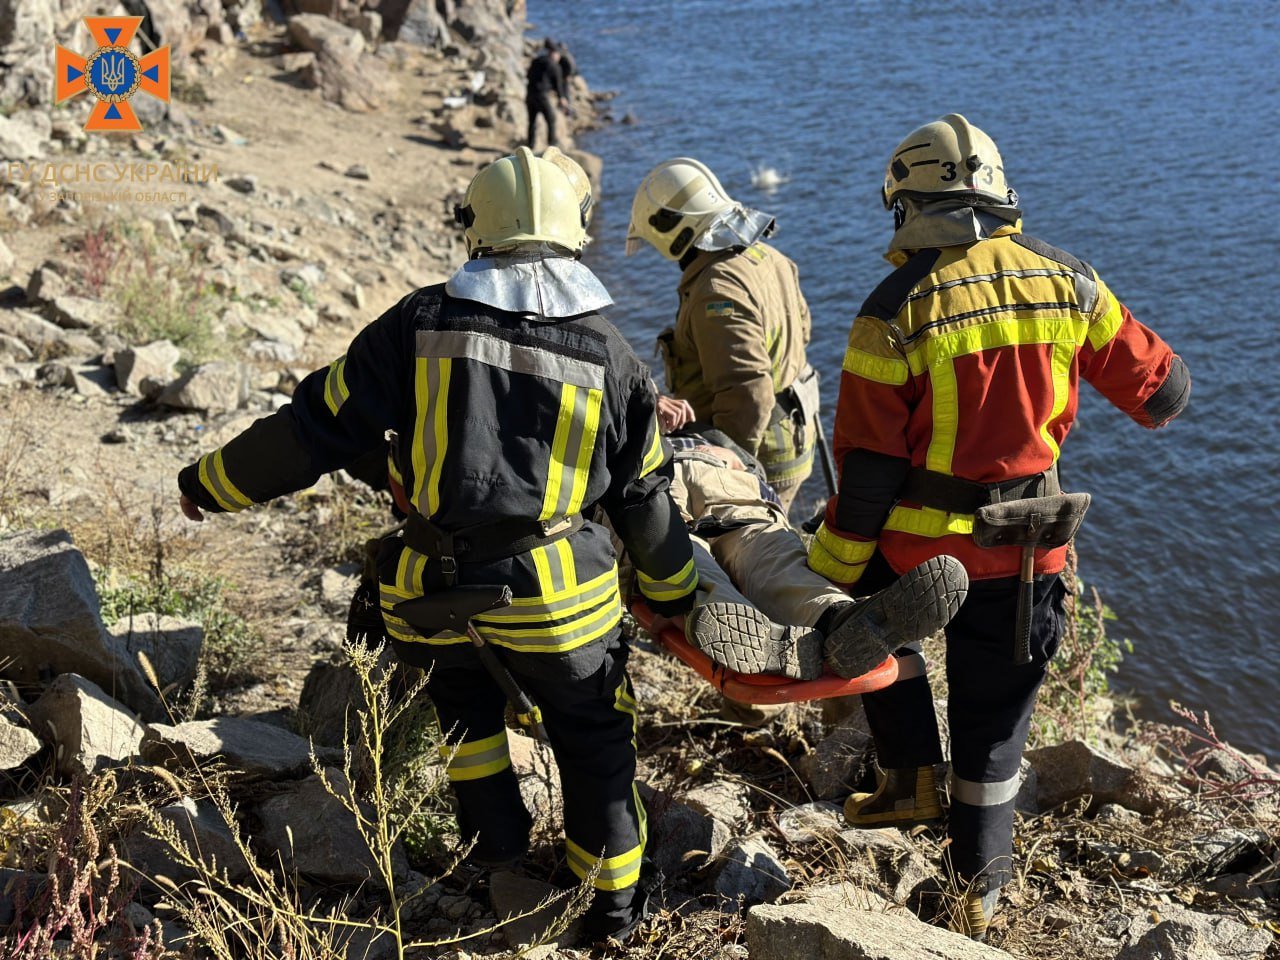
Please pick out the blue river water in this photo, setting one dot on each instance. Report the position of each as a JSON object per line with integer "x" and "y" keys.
{"x": 1142, "y": 136}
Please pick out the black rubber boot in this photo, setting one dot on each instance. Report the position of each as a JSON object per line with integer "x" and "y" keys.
{"x": 740, "y": 637}
{"x": 918, "y": 604}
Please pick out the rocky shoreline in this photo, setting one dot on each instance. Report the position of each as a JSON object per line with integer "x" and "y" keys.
{"x": 170, "y": 687}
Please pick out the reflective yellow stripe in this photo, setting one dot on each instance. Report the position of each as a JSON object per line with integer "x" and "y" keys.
{"x": 846, "y": 551}
{"x": 569, "y": 633}
{"x": 546, "y": 600}
{"x": 213, "y": 476}
{"x": 616, "y": 873}
{"x": 564, "y": 550}
{"x": 894, "y": 372}
{"x": 430, "y": 434}
{"x": 586, "y": 447}
{"x": 410, "y": 569}
{"x": 825, "y": 564}
{"x": 992, "y": 334}
{"x": 655, "y": 456}
{"x": 679, "y": 584}
{"x": 946, "y": 417}
{"x": 394, "y": 471}
{"x": 580, "y": 599}
{"x": 1063, "y": 355}
{"x": 571, "y": 450}
{"x": 928, "y": 522}
{"x": 335, "y": 386}
{"x": 477, "y": 759}
{"x": 1103, "y": 331}
{"x": 555, "y": 468}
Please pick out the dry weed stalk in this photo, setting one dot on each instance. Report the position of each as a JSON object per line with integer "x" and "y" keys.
{"x": 264, "y": 916}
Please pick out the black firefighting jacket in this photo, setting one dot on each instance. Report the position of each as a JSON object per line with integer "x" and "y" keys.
{"x": 499, "y": 417}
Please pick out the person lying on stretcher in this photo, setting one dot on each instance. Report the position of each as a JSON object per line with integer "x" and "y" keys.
{"x": 760, "y": 609}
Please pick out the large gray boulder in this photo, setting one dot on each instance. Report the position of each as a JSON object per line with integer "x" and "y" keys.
{"x": 516, "y": 898}
{"x": 815, "y": 931}
{"x": 1071, "y": 770}
{"x": 157, "y": 360}
{"x": 212, "y": 387}
{"x": 841, "y": 760}
{"x": 750, "y": 873}
{"x": 171, "y": 644}
{"x": 681, "y": 838}
{"x": 17, "y": 745}
{"x": 250, "y": 747}
{"x": 310, "y": 831}
{"x": 24, "y": 135}
{"x": 50, "y": 621}
{"x": 1181, "y": 934}
{"x": 81, "y": 313}
{"x": 201, "y": 828}
{"x": 87, "y": 729}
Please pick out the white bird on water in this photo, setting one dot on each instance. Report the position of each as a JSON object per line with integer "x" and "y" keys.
{"x": 768, "y": 178}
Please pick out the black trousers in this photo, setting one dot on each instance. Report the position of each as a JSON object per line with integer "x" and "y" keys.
{"x": 989, "y": 707}
{"x": 590, "y": 718}
{"x": 539, "y": 103}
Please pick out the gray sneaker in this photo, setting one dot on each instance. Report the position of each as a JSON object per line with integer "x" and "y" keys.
{"x": 740, "y": 637}
{"x": 919, "y": 603}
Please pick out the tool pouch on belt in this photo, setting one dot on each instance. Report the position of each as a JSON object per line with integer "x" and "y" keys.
{"x": 452, "y": 609}
{"x": 1029, "y": 524}
{"x": 1039, "y": 522}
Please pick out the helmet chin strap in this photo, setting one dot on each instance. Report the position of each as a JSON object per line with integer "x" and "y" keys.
{"x": 899, "y": 213}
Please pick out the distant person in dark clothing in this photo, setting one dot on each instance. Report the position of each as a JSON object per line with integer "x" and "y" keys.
{"x": 545, "y": 77}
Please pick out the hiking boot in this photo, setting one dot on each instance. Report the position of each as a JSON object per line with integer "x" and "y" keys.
{"x": 861, "y": 634}
{"x": 906, "y": 796}
{"x": 740, "y": 637}
{"x": 972, "y": 915}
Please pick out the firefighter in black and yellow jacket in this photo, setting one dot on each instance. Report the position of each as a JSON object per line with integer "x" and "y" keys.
{"x": 518, "y": 409}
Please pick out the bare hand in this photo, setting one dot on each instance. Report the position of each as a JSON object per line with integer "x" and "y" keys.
{"x": 673, "y": 414}
{"x": 190, "y": 510}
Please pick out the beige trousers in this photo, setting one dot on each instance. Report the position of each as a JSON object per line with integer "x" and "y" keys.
{"x": 763, "y": 563}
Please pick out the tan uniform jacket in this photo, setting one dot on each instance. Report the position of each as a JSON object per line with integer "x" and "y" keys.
{"x": 739, "y": 339}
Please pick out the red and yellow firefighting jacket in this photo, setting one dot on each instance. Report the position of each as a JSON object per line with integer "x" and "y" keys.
{"x": 500, "y": 417}
{"x": 966, "y": 361}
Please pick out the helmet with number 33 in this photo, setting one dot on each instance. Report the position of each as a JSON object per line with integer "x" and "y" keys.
{"x": 947, "y": 159}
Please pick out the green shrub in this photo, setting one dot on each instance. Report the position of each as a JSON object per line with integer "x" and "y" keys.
{"x": 232, "y": 648}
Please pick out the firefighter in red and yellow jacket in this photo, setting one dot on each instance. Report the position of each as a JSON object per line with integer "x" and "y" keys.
{"x": 519, "y": 410}
{"x": 958, "y": 389}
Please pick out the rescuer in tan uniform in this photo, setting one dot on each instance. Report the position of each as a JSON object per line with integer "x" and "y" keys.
{"x": 737, "y": 350}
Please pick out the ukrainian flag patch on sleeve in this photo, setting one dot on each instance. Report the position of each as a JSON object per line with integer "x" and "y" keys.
{"x": 719, "y": 308}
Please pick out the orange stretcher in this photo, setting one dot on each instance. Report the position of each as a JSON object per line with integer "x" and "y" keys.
{"x": 763, "y": 688}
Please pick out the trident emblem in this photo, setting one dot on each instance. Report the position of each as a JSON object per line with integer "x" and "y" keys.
{"x": 112, "y": 73}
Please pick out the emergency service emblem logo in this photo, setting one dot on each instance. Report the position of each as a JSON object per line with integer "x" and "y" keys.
{"x": 112, "y": 74}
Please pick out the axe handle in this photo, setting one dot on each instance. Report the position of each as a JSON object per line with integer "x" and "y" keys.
{"x": 827, "y": 461}
{"x": 1026, "y": 600}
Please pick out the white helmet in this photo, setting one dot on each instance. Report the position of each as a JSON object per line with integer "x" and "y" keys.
{"x": 675, "y": 204}
{"x": 526, "y": 199}
{"x": 947, "y": 158}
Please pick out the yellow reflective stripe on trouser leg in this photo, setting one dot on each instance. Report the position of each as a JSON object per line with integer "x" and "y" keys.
{"x": 615, "y": 873}
{"x": 477, "y": 759}
{"x": 679, "y": 584}
{"x": 946, "y": 416}
{"x": 430, "y": 434}
{"x": 335, "y": 386}
{"x": 571, "y": 450}
{"x": 1064, "y": 353}
{"x": 213, "y": 475}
